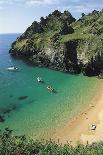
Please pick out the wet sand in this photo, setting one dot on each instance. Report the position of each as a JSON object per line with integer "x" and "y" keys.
{"x": 79, "y": 129}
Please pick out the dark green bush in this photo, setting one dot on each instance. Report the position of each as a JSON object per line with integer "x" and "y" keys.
{"x": 20, "y": 145}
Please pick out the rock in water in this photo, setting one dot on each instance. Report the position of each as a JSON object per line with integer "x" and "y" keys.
{"x": 2, "y": 118}
{"x": 22, "y": 97}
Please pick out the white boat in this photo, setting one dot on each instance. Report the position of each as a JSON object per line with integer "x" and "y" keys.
{"x": 12, "y": 68}
{"x": 50, "y": 88}
{"x": 39, "y": 79}
{"x": 93, "y": 127}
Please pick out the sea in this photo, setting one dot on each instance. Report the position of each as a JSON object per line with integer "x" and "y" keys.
{"x": 27, "y": 107}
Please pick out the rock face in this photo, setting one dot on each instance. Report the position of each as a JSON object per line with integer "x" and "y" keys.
{"x": 62, "y": 43}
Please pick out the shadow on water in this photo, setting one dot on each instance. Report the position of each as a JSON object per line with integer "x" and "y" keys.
{"x": 22, "y": 97}
{"x": 2, "y": 119}
{"x": 10, "y": 96}
{"x": 4, "y": 111}
{"x": 8, "y": 109}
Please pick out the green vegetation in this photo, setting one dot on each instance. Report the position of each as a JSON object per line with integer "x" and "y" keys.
{"x": 20, "y": 145}
{"x": 74, "y": 46}
{"x": 21, "y": 44}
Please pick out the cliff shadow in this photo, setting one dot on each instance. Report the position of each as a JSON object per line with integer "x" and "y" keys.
{"x": 71, "y": 61}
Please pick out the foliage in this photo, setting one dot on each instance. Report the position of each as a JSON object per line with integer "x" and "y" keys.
{"x": 56, "y": 31}
{"x": 88, "y": 28}
{"x": 20, "y": 145}
{"x": 40, "y": 33}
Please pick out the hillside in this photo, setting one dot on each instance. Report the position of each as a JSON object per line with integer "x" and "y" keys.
{"x": 61, "y": 42}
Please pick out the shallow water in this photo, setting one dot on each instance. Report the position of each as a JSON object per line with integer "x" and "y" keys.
{"x": 40, "y": 113}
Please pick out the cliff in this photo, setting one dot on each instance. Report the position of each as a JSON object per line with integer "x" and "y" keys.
{"x": 61, "y": 42}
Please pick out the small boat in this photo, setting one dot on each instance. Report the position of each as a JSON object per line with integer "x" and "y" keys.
{"x": 50, "y": 88}
{"x": 39, "y": 79}
{"x": 12, "y": 68}
{"x": 93, "y": 127}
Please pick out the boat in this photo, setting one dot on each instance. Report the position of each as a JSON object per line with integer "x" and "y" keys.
{"x": 50, "y": 88}
{"x": 39, "y": 79}
{"x": 93, "y": 127}
{"x": 12, "y": 68}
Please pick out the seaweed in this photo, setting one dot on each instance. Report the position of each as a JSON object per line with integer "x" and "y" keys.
{"x": 22, "y": 97}
{"x": 8, "y": 109}
{"x": 2, "y": 118}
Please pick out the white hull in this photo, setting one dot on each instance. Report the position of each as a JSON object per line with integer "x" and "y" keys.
{"x": 12, "y": 68}
{"x": 39, "y": 79}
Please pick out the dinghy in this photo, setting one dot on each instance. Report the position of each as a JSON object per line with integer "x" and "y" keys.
{"x": 39, "y": 79}
{"x": 12, "y": 68}
{"x": 50, "y": 88}
{"x": 93, "y": 127}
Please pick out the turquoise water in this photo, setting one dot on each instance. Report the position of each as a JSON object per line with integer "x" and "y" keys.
{"x": 41, "y": 113}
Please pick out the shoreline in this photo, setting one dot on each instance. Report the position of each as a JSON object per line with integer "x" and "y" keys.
{"x": 78, "y": 129}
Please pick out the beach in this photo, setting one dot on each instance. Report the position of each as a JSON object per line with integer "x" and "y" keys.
{"x": 28, "y": 108}
{"x": 78, "y": 130}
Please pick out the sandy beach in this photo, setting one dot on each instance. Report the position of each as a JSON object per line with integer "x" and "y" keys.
{"x": 79, "y": 129}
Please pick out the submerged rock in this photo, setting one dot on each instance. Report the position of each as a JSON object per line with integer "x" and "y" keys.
{"x": 2, "y": 118}
{"x": 8, "y": 109}
{"x": 8, "y": 130}
{"x": 22, "y": 97}
{"x": 11, "y": 96}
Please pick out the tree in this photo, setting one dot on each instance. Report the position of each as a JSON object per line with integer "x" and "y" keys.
{"x": 65, "y": 29}
{"x": 83, "y": 14}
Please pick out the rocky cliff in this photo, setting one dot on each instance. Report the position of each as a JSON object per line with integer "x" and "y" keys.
{"x": 61, "y": 42}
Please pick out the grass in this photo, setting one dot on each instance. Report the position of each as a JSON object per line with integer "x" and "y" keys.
{"x": 85, "y": 38}
{"x": 74, "y": 36}
{"x": 20, "y": 44}
{"x": 20, "y": 145}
